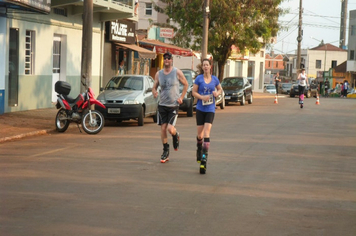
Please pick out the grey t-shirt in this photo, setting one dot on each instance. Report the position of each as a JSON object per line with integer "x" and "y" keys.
{"x": 169, "y": 88}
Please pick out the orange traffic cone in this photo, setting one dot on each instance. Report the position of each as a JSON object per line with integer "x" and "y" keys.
{"x": 275, "y": 100}
{"x": 317, "y": 100}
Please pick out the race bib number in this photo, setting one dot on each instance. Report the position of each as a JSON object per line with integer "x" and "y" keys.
{"x": 210, "y": 101}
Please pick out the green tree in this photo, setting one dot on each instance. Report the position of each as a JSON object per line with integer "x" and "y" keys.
{"x": 247, "y": 24}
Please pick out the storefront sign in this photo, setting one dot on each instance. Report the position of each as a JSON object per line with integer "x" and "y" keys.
{"x": 120, "y": 31}
{"x": 166, "y": 33}
{"x": 42, "y": 6}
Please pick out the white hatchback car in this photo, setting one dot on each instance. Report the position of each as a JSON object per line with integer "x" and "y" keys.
{"x": 269, "y": 88}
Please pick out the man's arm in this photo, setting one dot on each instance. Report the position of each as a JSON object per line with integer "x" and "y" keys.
{"x": 184, "y": 82}
{"x": 155, "y": 86}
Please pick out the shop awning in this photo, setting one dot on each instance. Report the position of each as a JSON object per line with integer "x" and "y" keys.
{"x": 162, "y": 48}
{"x": 142, "y": 53}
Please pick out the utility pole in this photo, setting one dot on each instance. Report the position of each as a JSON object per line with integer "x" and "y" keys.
{"x": 300, "y": 35}
{"x": 343, "y": 23}
{"x": 204, "y": 46}
{"x": 87, "y": 45}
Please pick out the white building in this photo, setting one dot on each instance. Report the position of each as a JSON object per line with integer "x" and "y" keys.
{"x": 40, "y": 48}
{"x": 249, "y": 65}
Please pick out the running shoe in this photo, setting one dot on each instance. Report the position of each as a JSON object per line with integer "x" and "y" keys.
{"x": 176, "y": 141}
{"x": 199, "y": 153}
{"x": 165, "y": 155}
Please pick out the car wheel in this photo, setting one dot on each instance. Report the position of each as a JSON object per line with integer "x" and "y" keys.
{"x": 190, "y": 108}
{"x": 243, "y": 101}
{"x": 251, "y": 99}
{"x": 140, "y": 117}
{"x": 222, "y": 104}
{"x": 155, "y": 117}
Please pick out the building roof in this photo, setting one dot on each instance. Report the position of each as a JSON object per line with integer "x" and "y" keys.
{"x": 328, "y": 47}
{"x": 341, "y": 68}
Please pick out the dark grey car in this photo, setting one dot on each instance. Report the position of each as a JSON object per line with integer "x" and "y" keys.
{"x": 237, "y": 89}
{"x": 128, "y": 97}
{"x": 188, "y": 100}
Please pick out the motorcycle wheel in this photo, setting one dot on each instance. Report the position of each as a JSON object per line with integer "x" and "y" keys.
{"x": 97, "y": 123}
{"x": 62, "y": 121}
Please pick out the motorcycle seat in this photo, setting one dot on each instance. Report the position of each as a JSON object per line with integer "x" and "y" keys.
{"x": 73, "y": 101}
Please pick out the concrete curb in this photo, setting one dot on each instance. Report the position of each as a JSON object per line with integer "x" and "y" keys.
{"x": 30, "y": 134}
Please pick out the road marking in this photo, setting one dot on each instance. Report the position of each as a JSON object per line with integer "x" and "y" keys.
{"x": 53, "y": 151}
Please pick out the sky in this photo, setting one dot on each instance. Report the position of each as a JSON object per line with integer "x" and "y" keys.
{"x": 321, "y": 20}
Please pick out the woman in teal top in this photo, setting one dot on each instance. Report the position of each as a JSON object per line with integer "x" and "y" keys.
{"x": 206, "y": 88}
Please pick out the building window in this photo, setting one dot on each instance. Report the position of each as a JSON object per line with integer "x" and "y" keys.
{"x": 277, "y": 64}
{"x": 148, "y": 9}
{"x": 352, "y": 55}
{"x": 318, "y": 64}
{"x": 60, "y": 11}
{"x": 333, "y": 64}
{"x": 30, "y": 52}
{"x": 262, "y": 54}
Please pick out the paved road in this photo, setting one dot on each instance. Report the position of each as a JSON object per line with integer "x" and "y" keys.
{"x": 274, "y": 169}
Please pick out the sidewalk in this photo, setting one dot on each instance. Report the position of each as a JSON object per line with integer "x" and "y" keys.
{"x": 20, "y": 124}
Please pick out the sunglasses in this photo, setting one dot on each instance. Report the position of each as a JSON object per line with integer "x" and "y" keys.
{"x": 167, "y": 58}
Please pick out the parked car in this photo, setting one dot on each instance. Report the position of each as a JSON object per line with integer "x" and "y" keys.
{"x": 220, "y": 100}
{"x": 237, "y": 89}
{"x": 309, "y": 91}
{"x": 188, "y": 101}
{"x": 284, "y": 88}
{"x": 128, "y": 97}
{"x": 269, "y": 88}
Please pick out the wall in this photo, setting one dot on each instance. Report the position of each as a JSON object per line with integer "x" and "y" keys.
{"x": 35, "y": 90}
{"x": 143, "y": 22}
{"x": 314, "y": 55}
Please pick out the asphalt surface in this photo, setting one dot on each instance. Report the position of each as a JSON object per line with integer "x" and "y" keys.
{"x": 274, "y": 169}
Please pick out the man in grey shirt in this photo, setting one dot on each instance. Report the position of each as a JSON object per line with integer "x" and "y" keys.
{"x": 168, "y": 79}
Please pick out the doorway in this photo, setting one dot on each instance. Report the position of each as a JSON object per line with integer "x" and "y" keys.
{"x": 13, "y": 67}
{"x": 59, "y": 62}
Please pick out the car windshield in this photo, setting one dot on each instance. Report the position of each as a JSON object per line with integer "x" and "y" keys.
{"x": 270, "y": 87}
{"x": 125, "y": 83}
{"x": 235, "y": 82}
{"x": 286, "y": 85}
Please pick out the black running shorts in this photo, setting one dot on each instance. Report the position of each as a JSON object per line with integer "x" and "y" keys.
{"x": 167, "y": 115}
{"x": 204, "y": 117}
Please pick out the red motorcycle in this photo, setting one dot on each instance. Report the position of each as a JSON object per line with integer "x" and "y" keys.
{"x": 77, "y": 110}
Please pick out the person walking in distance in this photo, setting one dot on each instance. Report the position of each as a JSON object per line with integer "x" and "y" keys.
{"x": 346, "y": 87}
{"x": 206, "y": 88}
{"x": 326, "y": 87}
{"x": 302, "y": 82}
{"x": 276, "y": 82}
{"x": 168, "y": 79}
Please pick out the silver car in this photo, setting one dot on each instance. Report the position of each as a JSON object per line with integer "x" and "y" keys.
{"x": 128, "y": 97}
